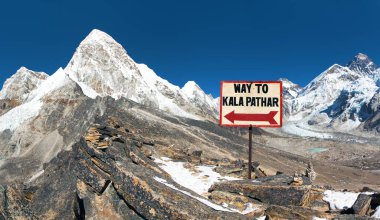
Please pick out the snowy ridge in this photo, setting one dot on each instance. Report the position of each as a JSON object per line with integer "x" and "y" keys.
{"x": 289, "y": 88}
{"x": 31, "y": 108}
{"x": 167, "y": 94}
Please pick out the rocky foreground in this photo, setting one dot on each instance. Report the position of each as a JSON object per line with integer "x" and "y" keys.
{"x": 111, "y": 173}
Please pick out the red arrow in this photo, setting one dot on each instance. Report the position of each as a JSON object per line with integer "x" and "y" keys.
{"x": 252, "y": 117}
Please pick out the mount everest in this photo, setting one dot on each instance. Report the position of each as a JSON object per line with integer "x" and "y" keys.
{"x": 342, "y": 98}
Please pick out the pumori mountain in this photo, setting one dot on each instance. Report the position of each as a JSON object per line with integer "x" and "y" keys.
{"x": 40, "y": 115}
{"x": 102, "y": 67}
{"x": 343, "y": 98}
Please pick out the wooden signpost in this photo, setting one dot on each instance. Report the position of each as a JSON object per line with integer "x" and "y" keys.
{"x": 251, "y": 104}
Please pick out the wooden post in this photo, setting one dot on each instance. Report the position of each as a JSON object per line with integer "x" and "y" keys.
{"x": 250, "y": 153}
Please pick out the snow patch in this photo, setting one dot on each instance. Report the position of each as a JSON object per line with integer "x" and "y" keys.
{"x": 199, "y": 181}
{"x": 317, "y": 218}
{"x": 35, "y": 176}
{"x": 340, "y": 200}
{"x": 202, "y": 200}
{"x": 18, "y": 115}
{"x": 248, "y": 208}
{"x": 87, "y": 91}
{"x": 53, "y": 82}
{"x": 377, "y": 213}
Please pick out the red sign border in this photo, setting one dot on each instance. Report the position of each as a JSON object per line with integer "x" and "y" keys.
{"x": 242, "y": 81}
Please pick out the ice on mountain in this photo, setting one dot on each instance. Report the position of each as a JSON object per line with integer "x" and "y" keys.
{"x": 20, "y": 114}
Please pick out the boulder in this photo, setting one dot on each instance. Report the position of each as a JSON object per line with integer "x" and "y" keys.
{"x": 271, "y": 194}
{"x": 275, "y": 212}
{"x": 236, "y": 201}
{"x": 362, "y": 205}
{"x": 195, "y": 156}
{"x": 273, "y": 190}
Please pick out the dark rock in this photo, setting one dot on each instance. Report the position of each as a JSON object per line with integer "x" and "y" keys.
{"x": 238, "y": 202}
{"x": 375, "y": 200}
{"x": 362, "y": 205}
{"x": 234, "y": 170}
{"x": 197, "y": 153}
{"x": 239, "y": 163}
{"x": 195, "y": 157}
{"x": 271, "y": 190}
{"x": 147, "y": 150}
{"x": 225, "y": 161}
{"x": 281, "y": 179}
{"x": 148, "y": 141}
{"x": 319, "y": 205}
{"x": 137, "y": 143}
{"x": 295, "y": 212}
{"x": 13, "y": 204}
{"x": 118, "y": 139}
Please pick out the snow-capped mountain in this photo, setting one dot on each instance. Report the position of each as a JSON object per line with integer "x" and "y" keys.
{"x": 33, "y": 104}
{"x": 102, "y": 67}
{"x": 363, "y": 65}
{"x": 289, "y": 89}
{"x": 199, "y": 99}
{"x": 46, "y": 106}
{"x": 339, "y": 97}
{"x": 21, "y": 84}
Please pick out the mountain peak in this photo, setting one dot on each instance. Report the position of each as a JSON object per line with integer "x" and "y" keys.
{"x": 22, "y": 69}
{"x": 19, "y": 85}
{"x": 191, "y": 84}
{"x": 98, "y": 34}
{"x": 25, "y": 72}
{"x": 190, "y": 88}
{"x": 286, "y": 83}
{"x": 362, "y": 64}
{"x": 361, "y": 56}
{"x": 99, "y": 37}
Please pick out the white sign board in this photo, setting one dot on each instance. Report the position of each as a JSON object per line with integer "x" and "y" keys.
{"x": 246, "y": 103}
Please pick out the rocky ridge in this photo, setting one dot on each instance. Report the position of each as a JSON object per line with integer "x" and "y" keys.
{"x": 110, "y": 173}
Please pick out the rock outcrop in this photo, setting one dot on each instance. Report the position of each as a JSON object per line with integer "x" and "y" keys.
{"x": 106, "y": 175}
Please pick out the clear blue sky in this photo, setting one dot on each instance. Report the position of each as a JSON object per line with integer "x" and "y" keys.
{"x": 205, "y": 41}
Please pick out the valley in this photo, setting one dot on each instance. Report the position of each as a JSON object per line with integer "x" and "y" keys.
{"x": 107, "y": 138}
